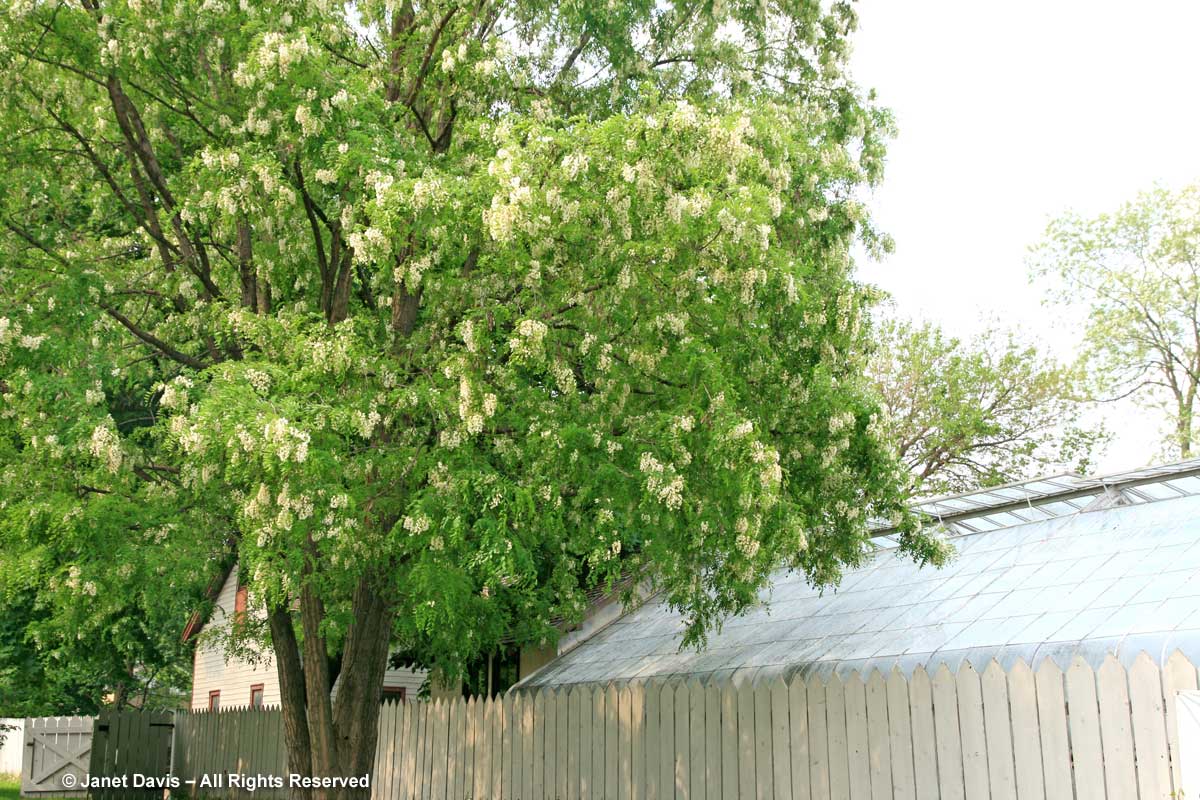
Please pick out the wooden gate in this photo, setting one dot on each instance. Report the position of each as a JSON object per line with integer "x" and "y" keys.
{"x": 128, "y": 744}
{"x": 55, "y": 748}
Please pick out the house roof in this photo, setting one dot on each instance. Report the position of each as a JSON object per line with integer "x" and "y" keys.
{"x": 1119, "y": 572}
{"x": 199, "y": 617}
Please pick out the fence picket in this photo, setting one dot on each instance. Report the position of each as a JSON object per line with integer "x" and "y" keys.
{"x": 481, "y": 780}
{"x": 508, "y": 738}
{"x": 565, "y": 724}
{"x": 527, "y": 740}
{"x": 997, "y": 724}
{"x": 550, "y": 746}
{"x": 1149, "y": 732}
{"x": 1026, "y": 733}
{"x": 879, "y": 737}
{"x": 574, "y": 713}
{"x": 624, "y": 745}
{"x": 666, "y": 742}
{"x": 1052, "y": 727}
{"x": 901, "y": 734}
{"x": 637, "y": 740}
{"x": 611, "y": 741}
{"x": 818, "y": 738}
{"x": 682, "y": 755}
{"x": 1116, "y": 734}
{"x": 599, "y": 729}
{"x": 745, "y": 740}
{"x": 857, "y": 748}
{"x": 835, "y": 714}
{"x": 404, "y": 759}
{"x": 949, "y": 742}
{"x": 798, "y": 737}
{"x": 972, "y": 732}
{"x": 497, "y": 754}
{"x": 471, "y": 722}
{"x": 537, "y": 761}
{"x": 780, "y": 742}
{"x": 729, "y": 751}
{"x": 586, "y": 710}
{"x": 1178, "y": 675}
{"x": 712, "y": 743}
{"x": 1083, "y": 720}
{"x": 764, "y": 757}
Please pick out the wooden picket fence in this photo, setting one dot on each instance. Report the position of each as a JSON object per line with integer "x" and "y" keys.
{"x": 129, "y": 743}
{"x": 1046, "y": 734}
{"x": 965, "y": 735}
{"x": 243, "y": 741}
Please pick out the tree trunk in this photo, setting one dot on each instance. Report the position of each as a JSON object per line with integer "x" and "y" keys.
{"x": 291, "y": 694}
{"x": 1183, "y": 432}
{"x": 326, "y": 738}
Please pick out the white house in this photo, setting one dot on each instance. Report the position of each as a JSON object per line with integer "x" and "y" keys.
{"x": 223, "y": 681}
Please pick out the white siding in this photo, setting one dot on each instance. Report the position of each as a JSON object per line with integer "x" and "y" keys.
{"x": 233, "y": 677}
{"x": 10, "y": 750}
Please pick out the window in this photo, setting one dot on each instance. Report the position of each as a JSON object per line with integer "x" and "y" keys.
{"x": 256, "y": 696}
{"x": 394, "y": 694}
{"x": 214, "y": 701}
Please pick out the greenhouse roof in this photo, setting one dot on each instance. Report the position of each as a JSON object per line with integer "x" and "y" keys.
{"x": 1054, "y": 568}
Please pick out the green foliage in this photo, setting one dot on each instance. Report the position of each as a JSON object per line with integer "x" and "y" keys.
{"x": 965, "y": 414}
{"x": 1135, "y": 273}
{"x": 411, "y": 299}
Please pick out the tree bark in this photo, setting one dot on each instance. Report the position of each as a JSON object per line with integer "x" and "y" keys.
{"x": 291, "y": 694}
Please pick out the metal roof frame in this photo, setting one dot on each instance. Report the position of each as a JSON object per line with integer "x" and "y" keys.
{"x": 1027, "y": 501}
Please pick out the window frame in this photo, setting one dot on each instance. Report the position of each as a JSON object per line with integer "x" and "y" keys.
{"x": 214, "y": 700}
{"x": 257, "y": 689}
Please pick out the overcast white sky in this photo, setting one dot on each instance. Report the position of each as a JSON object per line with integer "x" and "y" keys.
{"x": 1008, "y": 115}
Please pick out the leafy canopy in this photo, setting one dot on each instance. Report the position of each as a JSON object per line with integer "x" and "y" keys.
{"x": 480, "y": 304}
{"x": 980, "y": 412}
{"x": 1134, "y": 275}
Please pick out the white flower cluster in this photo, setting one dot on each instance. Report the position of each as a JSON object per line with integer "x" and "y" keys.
{"x": 428, "y": 191}
{"x": 747, "y": 544}
{"x": 366, "y": 423}
{"x": 72, "y": 582}
{"x": 840, "y": 422}
{"x": 220, "y": 159}
{"x": 669, "y": 492}
{"x": 310, "y": 124}
{"x": 529, "y": 341}
{"x": 10, "y": 336}
{"x": 94, "y": 396}
{"x": 105, "y": 445}
{"x": 467, "y": 332}
{"x": 174, "y": 394}
{"x": 474, "y": 416}
{"x": 771, "y": 474}
{"x": 370, "y": 245}
{"x": 288, "y": 442}
{"x": 417, "y": 525}
{"x": 575, "y": 165}
{"x": 277, "y": 50}
{"x": 742, "y": 430}
{"x": 698, "y": 204}
{"x": 260, "y": 380}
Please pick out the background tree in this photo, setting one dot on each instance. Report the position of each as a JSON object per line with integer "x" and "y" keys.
{"x": 1134, "y": 273}
{"x": 436, "y": 314}
{"x": 966, "y": 414}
